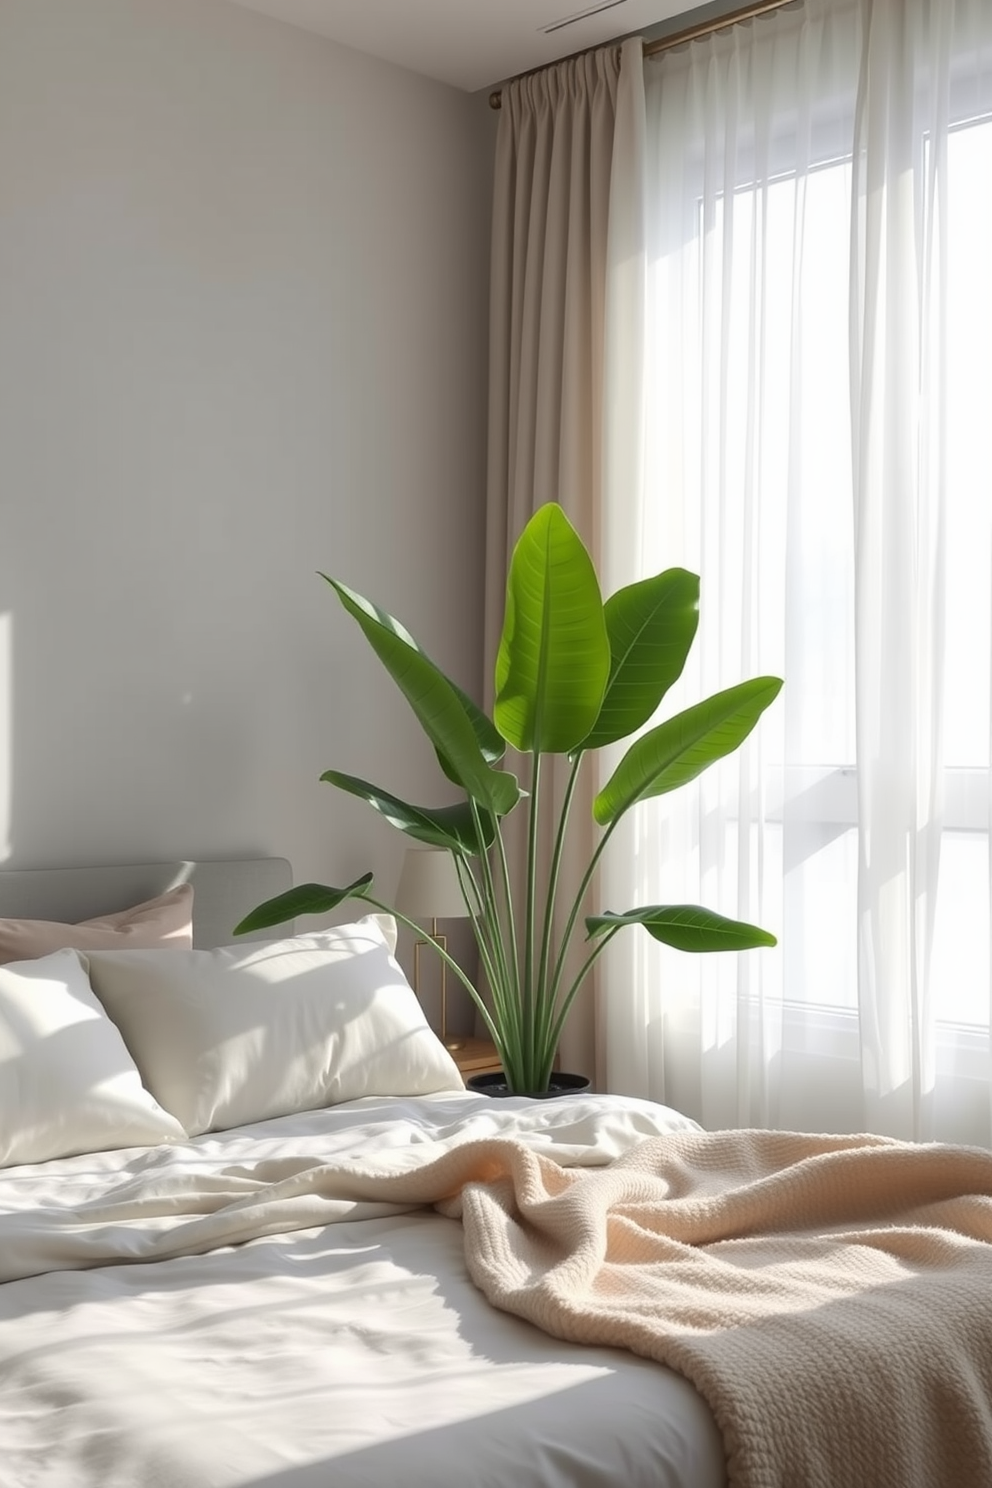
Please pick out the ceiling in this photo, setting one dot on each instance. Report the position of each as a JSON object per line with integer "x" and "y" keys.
{"x": 470, "y": 44}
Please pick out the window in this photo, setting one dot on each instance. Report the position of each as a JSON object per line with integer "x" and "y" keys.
{"x": 817, "y": 388}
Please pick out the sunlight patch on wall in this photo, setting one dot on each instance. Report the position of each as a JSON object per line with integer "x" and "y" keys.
{"x": 6, "y": 731}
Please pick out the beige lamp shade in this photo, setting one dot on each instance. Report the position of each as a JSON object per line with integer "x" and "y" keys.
{"x": 428, "y": 887}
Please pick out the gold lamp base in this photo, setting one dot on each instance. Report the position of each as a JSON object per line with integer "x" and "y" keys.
{"x": 450, "y": 1043}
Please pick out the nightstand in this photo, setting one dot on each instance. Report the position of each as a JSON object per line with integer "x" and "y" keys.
{"x": 477, "y": 1056}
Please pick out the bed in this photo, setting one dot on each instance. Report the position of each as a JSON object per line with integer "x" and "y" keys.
{"x": 354, "y": 1352}
{"x": 254, "y": 1231}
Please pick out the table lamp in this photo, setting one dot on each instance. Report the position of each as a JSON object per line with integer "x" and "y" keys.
{"x": 428, "y": 890}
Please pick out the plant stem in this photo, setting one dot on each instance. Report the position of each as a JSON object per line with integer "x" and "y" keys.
{"x": 574, "y": 912}
{"x": 502, "y": 970}
{"x": 583, "y": 972}
{"x": 529, "y": 1020}
{"x": 547, "y": 989}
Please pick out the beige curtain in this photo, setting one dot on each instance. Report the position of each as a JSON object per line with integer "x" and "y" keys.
{"x": 550, "y": 213}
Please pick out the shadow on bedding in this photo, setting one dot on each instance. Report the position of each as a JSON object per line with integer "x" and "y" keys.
{"x": 598, "y": 1434}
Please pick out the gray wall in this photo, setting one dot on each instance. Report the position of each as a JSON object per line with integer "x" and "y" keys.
{"x": 243, "y": 300}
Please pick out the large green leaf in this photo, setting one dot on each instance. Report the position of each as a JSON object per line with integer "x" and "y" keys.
{"x": 435, "y": 700}
{"x": 687, "y": 927}
{"x": 554, "y": 656}
{"x": 307, "y": 898}
{"x": 452, "y": 827}
{"x": 681, "y": 748}
{"x": 651, "y": 625}
{"x": 491, "y": 741}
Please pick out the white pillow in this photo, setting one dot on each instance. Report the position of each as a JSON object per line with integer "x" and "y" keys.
{"x": 67, "y": 1083}
{"x": 250, "y": 1031}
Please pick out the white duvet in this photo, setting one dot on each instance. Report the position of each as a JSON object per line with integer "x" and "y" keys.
{"x": 352, "y": 1351}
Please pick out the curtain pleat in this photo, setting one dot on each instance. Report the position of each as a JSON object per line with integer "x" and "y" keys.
{"x": 554, "y": 154}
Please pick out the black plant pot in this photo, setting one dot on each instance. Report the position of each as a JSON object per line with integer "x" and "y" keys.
{"x": 494, "y": 1084}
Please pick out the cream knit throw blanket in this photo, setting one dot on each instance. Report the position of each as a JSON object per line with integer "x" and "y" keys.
{"x": 830, "y": 1297}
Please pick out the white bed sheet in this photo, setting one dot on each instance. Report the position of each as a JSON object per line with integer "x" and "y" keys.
{"x": 358, "y": 1353}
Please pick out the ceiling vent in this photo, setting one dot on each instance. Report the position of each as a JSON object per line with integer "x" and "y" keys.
{"x": 580, "y": 15}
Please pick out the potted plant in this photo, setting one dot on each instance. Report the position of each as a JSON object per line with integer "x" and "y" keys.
{"x": 573, "y": 675}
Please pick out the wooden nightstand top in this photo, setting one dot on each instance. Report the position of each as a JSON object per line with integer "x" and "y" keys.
{"x": 477, "y": 1056}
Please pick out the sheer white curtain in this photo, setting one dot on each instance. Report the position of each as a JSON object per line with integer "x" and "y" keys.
{"x": 799, "y": 345}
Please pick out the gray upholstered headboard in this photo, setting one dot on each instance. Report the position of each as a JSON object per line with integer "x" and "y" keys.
{"x": 223, "y": 892}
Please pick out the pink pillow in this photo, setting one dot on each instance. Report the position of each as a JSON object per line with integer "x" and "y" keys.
{"x": 166, "y": 921}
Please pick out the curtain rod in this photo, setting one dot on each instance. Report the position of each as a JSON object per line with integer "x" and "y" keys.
{"x": 677, "y": 38}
